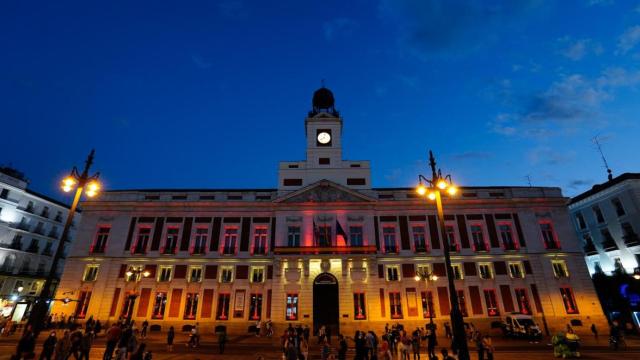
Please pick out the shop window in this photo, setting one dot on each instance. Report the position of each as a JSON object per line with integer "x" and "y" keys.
{"x": 359, "y": 306}
{"x": 292, "y": 307}
{"x": 159, "y": 305}
{"x": 255, "y": 307}
{"x": 491, "y": 301}
{"x": 395, "y": 305}
{"x": 191, "y": 306}
{"x": 568, "y": 300}
{"x": 222, "y": 312}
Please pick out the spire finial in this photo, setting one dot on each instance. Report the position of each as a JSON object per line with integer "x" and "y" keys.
{"x": 604, "y": 160}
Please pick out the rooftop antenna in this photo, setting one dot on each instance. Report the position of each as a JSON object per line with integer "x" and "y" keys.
{"x": 528, "y": 177}
{"x": 604, "y": 160}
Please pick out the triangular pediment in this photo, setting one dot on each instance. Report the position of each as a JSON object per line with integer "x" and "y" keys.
{"x": 325, "y": 191}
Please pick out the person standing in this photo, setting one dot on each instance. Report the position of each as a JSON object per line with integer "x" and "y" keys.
{"x": 145, "y": 326}
{"x": 222, "y": 340}
{"x": 342, "y": 347}
{"x": 480, "y": 346}
{"x": 85, "y": 345}
{"x": 49, "y": 346}
{"x": 447, "y": 330}
{"x": 63, "y": 346}
{"x": 594, "y": 331}
{"x": 306, "y": 332}
{"x": 26, "y": 345}
{"x": 304, "y": 349}
{"x": 123, "y": 342}
{"x": 325, "y": 352}
{"x": 487, "y": 344}
{"x": 170, "y": 335}
{"x": 112, "y": 337}
{"x": 415, "y": 344}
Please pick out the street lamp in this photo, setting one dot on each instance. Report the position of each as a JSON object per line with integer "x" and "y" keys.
{"x": 432, "y": 188}
{"x": 427, "y": 277}
{"x": 81, "y": 182}
{"x": 636, "y": 273}
{"x": 134, "y": 273}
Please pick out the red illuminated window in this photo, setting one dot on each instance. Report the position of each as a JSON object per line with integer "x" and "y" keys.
{"x": 159, "y": 304}
{"x": 389, "y": 235}
{"x": 395, "y": 305}
{"x": 549, "y": 236}
{"x": 100, "y": 244}
{"x": 255, "y": 307}
{"x": 523, "y": 301}
{"x": 171, "y": 241}
{"x": 462, "y": 302}
{"x": 506, "y": 235}
{"x": 191, "y": 307}
{"x": 292, "y": 307}
{"x": 477, "y": 235}
{"x": 568, "y": 300}
{"x": 428, "y": 311}
{"x": 359, "y": 306}
{"x": 230, "y": 241}
{"x": 260, "y": 240}
{"x": 200, "y": 241}
{"x": 83, "y": 304}
{"x": 222, "y": 313}
{"x": 451, "y": 238}
{"x": 144, "y": 232}
{"x": 492, "y": 302}
{"x": 419, "y": 238}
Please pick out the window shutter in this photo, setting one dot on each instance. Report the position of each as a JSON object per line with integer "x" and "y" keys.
{"x": 176, "y": 299}
{"x": 443, "y": 300}
{"x": 269, "y": 272}
{"x": 215, "y": 234}
{"x": 476, "y": 303}
{"x": 114, "y": 302}
{"x": 143, "y": 306}
{"x": 521, "y": 239}
{"x": 157, "y": 234}
{"x": 132, "y": 227}
{"x": 404, "y": 233}
{"x": 527, "y": 267}
{"x": 245, "y": 234}
{"x": 500, "y": 267}
{"x": 439, "y": 269}
{"x": 211, "y": 272}
{"x": 380, "y": 271}
{"x": 123, "y": 270}
{"x": 382, "y": 305}
{"x": 242, "y": 272}
{"x": 151, "y": 268}
{"x": 507, "y": 299}
{"x": 433, "y": 232}
{"x": 408, "y": 271}
{"x": 493, "y": 233}
{"x": 180, "y": 272}
{"x": 207, "y": 303}
{"x": 462, "y": 229}
{"x": 470, "y": 269}
{"x": 186, "y": 234}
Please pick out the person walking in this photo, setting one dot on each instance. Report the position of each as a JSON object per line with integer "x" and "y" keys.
{"x": 145, "y": 326}
{"x": 480, "y": 346}
{"x": 487, "y": 344}
{"x": 85, "y": 345}
{"x": 76, "y": 340}
{"x": 325, "y": 351}
{"x": 432, "y": 342}
{"x": 222, "y": 340}
{"x": 112, "y": 337}
{"x": 304, "y": 349}
{"x": 171, "y": 334}
{"x": 447, "y": 330}
{"x": 139, "y": 352}
{"x": 342, "y": 347}
{"x": 594, "y": 331}
{"x": 123, "y": 342}
{"x": 49, "y": 346}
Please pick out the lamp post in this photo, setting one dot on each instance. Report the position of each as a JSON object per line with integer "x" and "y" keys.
{"x": 78, "y": 181}
{"x": 432, "y": 189}
{"x": 427, "y": 277}
{"x": 134, "y": 273}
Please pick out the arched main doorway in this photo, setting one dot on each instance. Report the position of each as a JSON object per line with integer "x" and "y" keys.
{"x": 326, "y": 303}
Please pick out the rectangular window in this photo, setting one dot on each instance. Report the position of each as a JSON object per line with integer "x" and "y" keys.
{"x": 617, "y": 204}
{"x": 222, "y": 312}
{"x": 142, "y": 240}
{"x": 457, "y": 271}
{"x": 389, "y": 235}
{"x": 90, "y": 272}
{"x": 324, "y": 236}
{"x": 598, "y": 214}
{"x": 230, "y": 241}
{"x": 477, "y": 236}
{"x": 191, "y": 306}
{"x": 515, "y": 270}
{"x": 200, "y": 241}
{"x": 292, "y": 307}
{"x": 395, "y": 305}
{"x": 260, "y": 240}
{"x": 226, "y": 274}
{"x": 171, "y": 241}
{"x": 257, "y": 274}
{"x": 629, "y": 235}
{"x": 83, "y": 304}
{"x": 293, "y": 236}
{"x": 324, "y": 161}
{"x": 523, "y": 301}
{"x": 359, "y": 306}
{"x": 462, "y": 302}
{"x": 568, "y": 300}
{"x": 580, "y": 220}
{"x": 492, "y": 302}
{"x": 255, "y": 307}
{"x": 134, "y": 273}
{"x": 355, "y": 235}
{"x": 560, "y": 269}
{"x": 159, "y": 304}
{"x": 195, "y": 275}
{"x": 356, "y": 181}
{"x": 485, "y": 271}
{"x": 419, "y": 238}
{"x": 549, "y": 236}
{"x": 428, "y": 311}
{"x": 292, "y": 182}
{"x": 100, "y": 243}
{"x": 506, "y": 235}
{"x": 451, "y": 238}
{"x": 424, "y": 269}
{"x": 164, "y": 273}
{"x": 393, "y": 273}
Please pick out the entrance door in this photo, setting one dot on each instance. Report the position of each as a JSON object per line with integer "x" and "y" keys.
{"x": 326, "y": 304}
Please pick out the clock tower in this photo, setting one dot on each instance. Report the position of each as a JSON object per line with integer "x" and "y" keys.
{"x": 323, "y": 128}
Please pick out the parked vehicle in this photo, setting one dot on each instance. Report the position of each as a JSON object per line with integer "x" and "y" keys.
{"x": 521, "y": 326}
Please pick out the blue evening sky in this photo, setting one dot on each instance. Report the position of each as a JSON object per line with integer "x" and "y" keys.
{"x": 212, "y": 94}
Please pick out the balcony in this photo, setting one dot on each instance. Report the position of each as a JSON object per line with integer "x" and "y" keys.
{"x": 510, "y": 246}
{"x": 480, "y": 247}
{"x": 315, "y": 250}
{"x": 260, "y": 250}
{"x": 590, "y": 249}
{"x": 631, "y": 239}
{"x": 609, "y": 245}
{"x": 198, "y": 250}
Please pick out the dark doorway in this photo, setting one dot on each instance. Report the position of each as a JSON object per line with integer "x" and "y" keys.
{"x": 326, "y": 303}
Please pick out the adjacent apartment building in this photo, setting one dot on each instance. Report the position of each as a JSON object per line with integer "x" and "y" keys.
{"x": 30, "y": 229}
{"x": 326, "y": 248}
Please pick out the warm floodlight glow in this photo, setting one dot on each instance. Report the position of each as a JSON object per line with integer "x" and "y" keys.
{"x": 452, "y": 190}
{"x": 442, "y": 184}
{"x": 146, "y": 274}
{"x": 417, "y": 277}
{"x": 129, "y": 273}
{"x": 68, "y": 183}
{"x": 432, "y": 196}
{"x": 434, "y": 277}
{"x": 92, "y": 188}
{"x": 20, "y": 288}
{"x": 421, "y": 190}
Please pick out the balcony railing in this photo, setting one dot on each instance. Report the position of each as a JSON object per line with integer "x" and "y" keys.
{"x": 283, "y": 250}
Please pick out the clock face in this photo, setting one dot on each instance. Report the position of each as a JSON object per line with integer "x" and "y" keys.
{"x": 324, "y": 137}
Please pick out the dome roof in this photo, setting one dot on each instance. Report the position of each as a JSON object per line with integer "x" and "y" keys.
{"x": 323, "y": 99}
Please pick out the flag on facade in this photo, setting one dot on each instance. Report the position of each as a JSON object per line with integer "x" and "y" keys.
{"x": 340, "y": 232}
{"x": 316, "y": 233}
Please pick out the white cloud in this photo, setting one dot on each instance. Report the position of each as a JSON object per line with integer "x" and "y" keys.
{"x": 578, "y": 49}
{"x": 628, "y": 40}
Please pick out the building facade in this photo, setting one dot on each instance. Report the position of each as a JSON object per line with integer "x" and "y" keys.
{"x": 325, "y": 248}
{"x": 30, "y": 228}
{"x": 607, "y": 219}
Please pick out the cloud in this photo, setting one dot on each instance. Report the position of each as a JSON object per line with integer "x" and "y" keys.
{"x": 566, "y": 106}
{"x": 337, "y": 26}
{"x": 579, "y": 183}
{"x": 578, "y": 49}
{"x": 628, "y": 40}
{"x": 201, "y": 62}
{"x": 434, "y": 27}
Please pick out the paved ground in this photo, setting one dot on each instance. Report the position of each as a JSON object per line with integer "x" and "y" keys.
{"x": 249, "y": 347}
